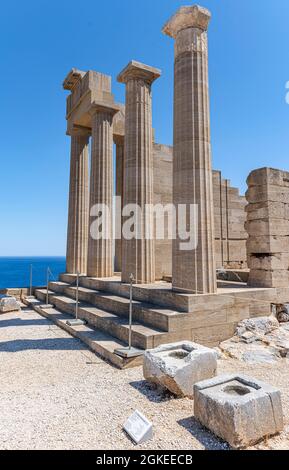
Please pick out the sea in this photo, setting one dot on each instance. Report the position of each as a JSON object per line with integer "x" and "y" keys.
{"x": 15, "y": 271}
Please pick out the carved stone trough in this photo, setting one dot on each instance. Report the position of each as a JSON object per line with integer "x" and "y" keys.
{"x": 179, "y": 366}
{"x": 238, "y": 409}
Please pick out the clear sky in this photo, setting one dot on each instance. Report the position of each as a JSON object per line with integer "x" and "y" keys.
{"x": 41, "y": 40}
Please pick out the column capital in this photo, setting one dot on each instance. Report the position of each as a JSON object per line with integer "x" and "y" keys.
{"x": 103, "y": 107}
{"x": 187, "y": 17}
{"x": 79, "y": 131}
{"x": 138, "y": 71}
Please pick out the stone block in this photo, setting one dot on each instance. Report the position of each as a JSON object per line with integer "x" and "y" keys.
{"x": 269, "y": 226}
{"x": 269, "y": 261}
{"x": 238, "y": 409}
{"x": 179, "y": 366}
{"x": 273, "y": 278}
{"x": 267, "y": 209}
{"x": 264, "y": 193}
{"x": 268, "y": 244}
{"x": 8, "y": 304}
{"x": 268, "y": 176}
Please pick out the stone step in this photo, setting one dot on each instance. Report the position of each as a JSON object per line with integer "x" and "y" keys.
{"x": 102, "y": 343}
{"x": 159, "y": 294}
{"x": 143, "y": 337}
{"x": 146, "y": 313}
{"x": 58, "y": 286}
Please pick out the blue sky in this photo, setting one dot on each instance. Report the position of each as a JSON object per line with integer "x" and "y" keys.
{"x": 42, "y": 40}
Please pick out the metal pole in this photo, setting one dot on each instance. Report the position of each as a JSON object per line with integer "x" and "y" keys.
{"x": 77, "y": 295}
{"x": 130, "y": 312}
{"x": 30, "y": 289}
{"x": 47, "y": 282}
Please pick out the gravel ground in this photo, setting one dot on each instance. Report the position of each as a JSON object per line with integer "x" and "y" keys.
{"x": 56, "y": 394}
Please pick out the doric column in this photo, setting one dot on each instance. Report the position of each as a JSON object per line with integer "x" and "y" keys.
{"x": 193, "y": 269}
{"x": 119, "y": 157}
{"x": 100, "y": 243}
{"x": 77, "y": 232}
{"x": 138, "y": 256}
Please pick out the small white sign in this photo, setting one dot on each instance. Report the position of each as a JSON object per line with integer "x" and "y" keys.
{"x": 139, "y": 428}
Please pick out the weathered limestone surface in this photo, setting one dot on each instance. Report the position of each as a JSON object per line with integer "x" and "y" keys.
{"x": 258, "y": 340}
{"x": 8, "y": 304}
{"x": 77, "y": 232}
{"x": 138, "y": 255}
{"x": 100, "y": 248}
{"x": 193, "y": 270}
{"x": 239, "y": 409}
{"x": 268, "y": 228}
{"x": 179, "y": 366}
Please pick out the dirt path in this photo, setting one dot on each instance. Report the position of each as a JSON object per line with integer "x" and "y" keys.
{"x": 56, "y": 394}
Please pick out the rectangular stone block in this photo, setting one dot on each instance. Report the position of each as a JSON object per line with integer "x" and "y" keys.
{"x": 267, "y": 209}
{"x": 238, "y": 409}
{"x": 268, "y": 244}
{"x": 274, "y": 278}
{"x": 268, "y": 176}
{"x": 8, "y": 304}
{"x": 268, "y": 226}
{"x": 279, "y": 261}
{"x": 264, "y": 193}
{"x": 179, "y": 366}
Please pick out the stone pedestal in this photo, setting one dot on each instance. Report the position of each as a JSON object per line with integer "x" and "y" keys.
{"x": 193, "y": 270}
{"x": 100, "y": 245}
{"x": 239, "y": 409}
{"x": 77, "y": 233}
{"x": 138, "y": 257}
{"x": 119, "y": 142}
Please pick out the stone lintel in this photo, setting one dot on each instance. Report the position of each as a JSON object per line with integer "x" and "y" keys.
{"x": 102, "y": 106}
{"x": 72, "y": 79}
{"x": 137, "y": 70}
{"x": 187, "y": 17}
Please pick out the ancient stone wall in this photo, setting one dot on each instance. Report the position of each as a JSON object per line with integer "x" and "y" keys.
{"x": 268, "y": 228}
{"x": 229, "y": 211}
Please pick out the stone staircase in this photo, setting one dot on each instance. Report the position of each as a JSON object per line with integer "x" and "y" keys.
{"x": 160, "y": 316}
{"x": 106, "y": 315}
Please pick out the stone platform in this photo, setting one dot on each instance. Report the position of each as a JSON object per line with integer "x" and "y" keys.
{"x": 160, "y": 315}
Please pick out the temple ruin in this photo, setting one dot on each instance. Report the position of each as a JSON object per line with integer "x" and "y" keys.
{"x": 240, "y": 264}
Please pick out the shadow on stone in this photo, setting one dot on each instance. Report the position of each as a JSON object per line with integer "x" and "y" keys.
{"x": 20, "y": 322}
{"x": 57, "y": 344}
{"x": 205, "y": 437}
{"x": 153, "y": 392}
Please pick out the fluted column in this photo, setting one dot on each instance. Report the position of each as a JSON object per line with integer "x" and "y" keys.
{"x": 100, "y": 243}
{"x": 194, "y": 269}
{"x": 119, "y": 157}
{"x": 77, "y": 232}
{"x": 138, "y": 253}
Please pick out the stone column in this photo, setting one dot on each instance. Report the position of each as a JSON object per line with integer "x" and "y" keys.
{"x": 119, "y": 141}
{"x": 100, "y": 247}
{"x": 138, "y": 254}
{"x": 77, "y": 232}
{"x": 193, "y": 270}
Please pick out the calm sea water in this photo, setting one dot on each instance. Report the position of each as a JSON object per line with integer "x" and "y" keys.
{"x": 15, "y": 272}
